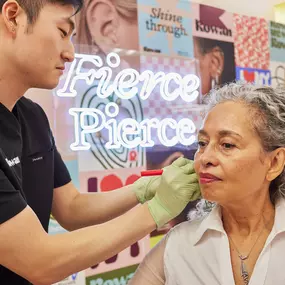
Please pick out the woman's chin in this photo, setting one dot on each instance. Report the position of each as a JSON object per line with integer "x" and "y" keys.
{"x": 209, "y": 195}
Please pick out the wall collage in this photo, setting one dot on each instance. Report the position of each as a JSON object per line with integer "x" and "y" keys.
{"x": 177, "y": 37}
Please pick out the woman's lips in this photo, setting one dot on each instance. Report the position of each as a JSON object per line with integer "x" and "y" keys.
{"x": 206, "y": 178}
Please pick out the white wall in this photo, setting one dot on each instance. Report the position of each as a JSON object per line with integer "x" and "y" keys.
{"x": 258, "y": 8}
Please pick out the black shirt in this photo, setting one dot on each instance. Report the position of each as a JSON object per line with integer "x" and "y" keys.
{"x": 30, "y": 168}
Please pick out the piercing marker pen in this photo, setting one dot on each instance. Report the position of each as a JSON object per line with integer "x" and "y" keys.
{"x": 152, "y": 172}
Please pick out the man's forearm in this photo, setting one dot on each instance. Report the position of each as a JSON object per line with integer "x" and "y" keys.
{"x": 46, "y": 259}
{"x": 86, "y": 247}
{"x": 95, "y": 208}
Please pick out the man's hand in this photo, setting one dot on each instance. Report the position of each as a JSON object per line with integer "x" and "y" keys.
{"x": 178, "y": 186}
{"x": 145, "y": 188}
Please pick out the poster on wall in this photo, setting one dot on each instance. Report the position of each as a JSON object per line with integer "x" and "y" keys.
{"x": 133, "y": 255}
{"x": 117, "y": 277}
{"x": 108, "y": 145}
{"x": 106, "y": 181}
{"x": 102, "y": 113}
{"x": 165, "y": 101}
{"x": 254, "y": 75}
{"x": 213, "y": 23}
{"x": 165, "y": 27}
{"x": 216, "y": 61}
{"x": 73, "y": 279}
{"x": 102, "y": 27}
{"x": 213, "y": 46}
{"x": 106, "y": 27}
{"x": 277, "y": 74}
{"x": 252, "y": 53}
{"x": 277, "y": 42}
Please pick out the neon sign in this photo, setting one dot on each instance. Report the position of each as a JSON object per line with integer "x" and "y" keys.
{"x": 126, "y": 84}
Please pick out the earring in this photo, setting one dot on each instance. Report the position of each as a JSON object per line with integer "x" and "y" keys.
{"x": 213, "y": 83}
{"x": 216, "y": 81}
{"x": 219, "y": 71}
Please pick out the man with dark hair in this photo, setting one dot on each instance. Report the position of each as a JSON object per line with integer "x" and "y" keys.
{"x": 35, "y": 44}
{"x": 33, "y": 8}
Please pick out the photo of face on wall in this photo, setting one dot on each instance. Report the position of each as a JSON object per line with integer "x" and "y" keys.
{"x": 216, "y": 62}
{"x": 106, "y": 25}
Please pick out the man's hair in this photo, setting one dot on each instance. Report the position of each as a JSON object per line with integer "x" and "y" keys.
{"x": 33, "y": 7}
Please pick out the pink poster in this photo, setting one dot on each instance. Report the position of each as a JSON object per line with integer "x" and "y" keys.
{"x": 130, "y": 256}
{"x": 251, "y": 42}
{"x": 156, "y": 106}
{"x": 212, "y": 23}
{"x": 105, "y": 181}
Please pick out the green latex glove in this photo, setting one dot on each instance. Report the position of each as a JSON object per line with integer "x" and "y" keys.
{"x": 145, "y": 187}
{"x": 178, "y": 186}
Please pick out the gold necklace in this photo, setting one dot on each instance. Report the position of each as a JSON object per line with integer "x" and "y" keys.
{"x": 243, "y": 270}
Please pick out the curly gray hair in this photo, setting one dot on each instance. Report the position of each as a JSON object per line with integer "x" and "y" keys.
{"x": 267, "y": 108}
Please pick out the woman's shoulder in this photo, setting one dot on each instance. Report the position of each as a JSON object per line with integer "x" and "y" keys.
{"x": 179, "y": 243}
{"x": 183, "y": 229}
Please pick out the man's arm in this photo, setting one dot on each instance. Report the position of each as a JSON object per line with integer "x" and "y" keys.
{"x": 74, "y": 210}
{"x": 29, "y": 251}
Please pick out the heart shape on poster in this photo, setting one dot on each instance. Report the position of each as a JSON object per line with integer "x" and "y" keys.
{"x": 112, "y": 182}
{"x": 249, "y": 76}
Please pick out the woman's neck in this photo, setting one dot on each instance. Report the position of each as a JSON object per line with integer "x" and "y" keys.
{"x": 248, "y": 217}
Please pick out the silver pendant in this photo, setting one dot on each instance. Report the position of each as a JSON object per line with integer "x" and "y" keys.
{"x": 243, "y": 270}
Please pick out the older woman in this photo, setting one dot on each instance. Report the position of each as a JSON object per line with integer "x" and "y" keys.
{"x": 240, "y": 164}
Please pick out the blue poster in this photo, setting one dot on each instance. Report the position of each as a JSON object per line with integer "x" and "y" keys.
{"x": 277, "y": 42}
{"x": 165, "y": 27}
{"x": 253, "y": 75}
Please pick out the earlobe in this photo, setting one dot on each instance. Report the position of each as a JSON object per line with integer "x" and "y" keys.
{"x": 277, "y": 164}
{"x": 102, "y": 23}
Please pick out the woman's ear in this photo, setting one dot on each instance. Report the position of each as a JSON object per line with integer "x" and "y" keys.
{"x": 277, "y": 162}
{"x": 102, "y": 21}
{"x": 217, "y": 63}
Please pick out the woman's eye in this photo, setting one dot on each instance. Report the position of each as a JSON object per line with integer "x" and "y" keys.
{"x": 228, "y": 145}
{"x": 201, "y": 144}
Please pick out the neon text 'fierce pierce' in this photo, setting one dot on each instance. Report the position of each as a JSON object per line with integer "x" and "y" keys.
{"x": 126, "y": 84}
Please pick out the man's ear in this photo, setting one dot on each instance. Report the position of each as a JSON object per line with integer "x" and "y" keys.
{"x": 277, "y": 162}
{"x": 217, "y": 62}
{"x": 102, "y": 21}
{"x": 10, "y": 12}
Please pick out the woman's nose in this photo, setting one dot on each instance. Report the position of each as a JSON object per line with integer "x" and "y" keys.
{"x": 208, "y": 157}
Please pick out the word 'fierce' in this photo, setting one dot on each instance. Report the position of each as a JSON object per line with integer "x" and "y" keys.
{"x": 127, "y": 82}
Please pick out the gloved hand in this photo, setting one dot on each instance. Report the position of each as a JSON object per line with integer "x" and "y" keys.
{"x": 178, "y": 186}
{"x": 145, "y": 187}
